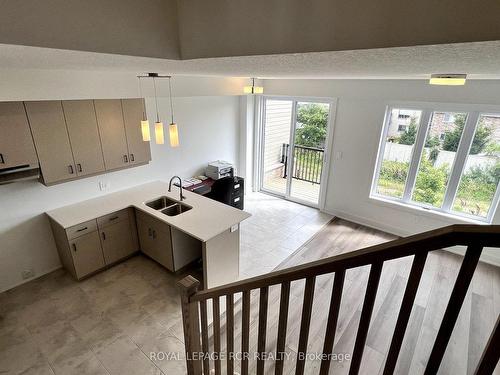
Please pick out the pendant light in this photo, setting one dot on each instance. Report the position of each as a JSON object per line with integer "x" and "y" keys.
{"x": 173, "y": 131}
{"x": 146, "y": 135}
{"x": 253, "y": 89}
{"x": 160, "y": 139}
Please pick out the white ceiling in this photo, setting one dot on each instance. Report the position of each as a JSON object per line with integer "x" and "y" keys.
{"x": 479, "y": 60}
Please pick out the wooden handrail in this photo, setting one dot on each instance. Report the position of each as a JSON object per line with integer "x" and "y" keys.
{"x": 194, "y": 303}
{"x": 453, "y": 235}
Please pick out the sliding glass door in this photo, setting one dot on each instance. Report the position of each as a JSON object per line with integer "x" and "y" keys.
{"x": 294, "y": 137}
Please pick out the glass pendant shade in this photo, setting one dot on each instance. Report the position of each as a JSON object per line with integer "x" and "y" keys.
{"x": 173, "y": 134}
{"x": 146, "y": 135}
{"x": 160, "y": 139}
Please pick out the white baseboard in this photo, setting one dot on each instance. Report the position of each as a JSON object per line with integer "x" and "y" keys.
{"x": 485, "y": 257}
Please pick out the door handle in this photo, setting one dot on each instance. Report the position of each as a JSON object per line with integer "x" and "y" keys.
{"x": 132, "y": 158}
{"x": 74, "y": 247}
{"x": 2, "y": 160}
{"x": 71, "y": 170}
{"x": 79, "y": 166}
{"x": 125, "y": 158}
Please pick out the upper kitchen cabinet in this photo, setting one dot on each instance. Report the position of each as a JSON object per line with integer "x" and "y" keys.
{"x": 139, "y": 150}
{"x": 84, "y": 135}
{"x": 16, "y": 143}
{"x": 112, "y": 130}
{"x": 49, "y": 131}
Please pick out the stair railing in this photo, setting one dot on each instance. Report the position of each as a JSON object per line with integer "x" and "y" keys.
{"x": 194, "y": 304}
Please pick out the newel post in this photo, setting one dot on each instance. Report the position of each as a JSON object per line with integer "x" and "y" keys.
{"x": 188, "y": 286}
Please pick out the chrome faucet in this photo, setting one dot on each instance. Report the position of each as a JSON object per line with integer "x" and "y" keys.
{"x": 180, "y": 187}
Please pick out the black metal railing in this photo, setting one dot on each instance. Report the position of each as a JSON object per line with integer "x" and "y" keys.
{"x": 307, "y": 162}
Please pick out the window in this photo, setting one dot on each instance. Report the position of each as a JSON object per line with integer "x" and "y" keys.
{"x": 446, "y": 166}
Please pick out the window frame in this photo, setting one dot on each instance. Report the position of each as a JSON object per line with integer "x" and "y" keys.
{"x": 473, "y": 113}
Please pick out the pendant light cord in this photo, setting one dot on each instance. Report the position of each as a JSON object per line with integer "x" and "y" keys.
{"x": 140, "y": 95}
{"x": 171, "y": 104}
{"x": 156, "y": 101}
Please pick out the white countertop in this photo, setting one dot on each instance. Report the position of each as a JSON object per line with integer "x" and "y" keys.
{"x": 205, "y": 220}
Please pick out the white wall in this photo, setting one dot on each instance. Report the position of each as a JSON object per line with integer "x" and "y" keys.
{"x": 358, "y": 125}
{"x": 208, "y": 130}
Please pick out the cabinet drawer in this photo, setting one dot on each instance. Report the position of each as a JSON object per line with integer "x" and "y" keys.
{"x": 81, "y": 229}
{"x": 113, "y": 218}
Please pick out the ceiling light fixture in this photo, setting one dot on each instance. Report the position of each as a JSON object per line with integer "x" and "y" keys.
{"x": 253, "y": 89}
{"x": 173, "y": 131}
{"x": 146, "y": 135}
{"x": 448, "y": 79}
{"x": 160, "y": 139}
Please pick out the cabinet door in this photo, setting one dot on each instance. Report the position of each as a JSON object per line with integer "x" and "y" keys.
{"x": 16, "y": 143}
{"x": 162, "y": 245}
{"x": 139, "y": 150}
{"x": 117, "y": 242}
{"x": 84, "y": 136}
{"x": 144, "y": 232}
{"x": 87, "y": 254}
{"x": 114, "y": 143}
{"x": 51, "y": 140}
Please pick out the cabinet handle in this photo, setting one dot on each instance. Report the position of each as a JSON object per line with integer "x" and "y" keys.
{"x": 154, "y": 234}
{"x": 113, "y": 218}
{"x": 79, "y": 166}
{"x": 74, "y": 247}
{"x": 132, "y": 158}
{"x": 2, "y": 160}
{"x": 150, "y": 232}
{"x": 103, "y": 236}
{"x": 70, "y": 168}
{"x": 125, "y": 158}
{"x": 82, "y": 229}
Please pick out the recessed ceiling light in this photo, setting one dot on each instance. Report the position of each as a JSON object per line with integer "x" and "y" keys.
{"x": 448, "y": 79}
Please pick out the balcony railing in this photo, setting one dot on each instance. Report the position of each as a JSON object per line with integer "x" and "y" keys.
{"x": 307, "y": 162}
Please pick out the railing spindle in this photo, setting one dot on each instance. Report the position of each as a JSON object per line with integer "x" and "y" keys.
{"x": 333, "y": 316}
{"x": 261, "y": 339}
{"x": 216, "y": 326}
{"x": 245, "y": 329}
{"x": 230, "y": 333}
{"x": 404, "y": 313}
{"x": 204, "y": 337}
{"x": 188, "y": 287}
{"x": 305, "y": 324}
{"x": 491, "y": 354}
{"x": 457, "y": 297}
{"x": 282, "y": 324}
{"x": 366, "y": 314}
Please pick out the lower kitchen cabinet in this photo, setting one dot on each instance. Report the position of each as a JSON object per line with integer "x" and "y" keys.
{"x": 91, "y": 246}
{"x": 155, "y": 239}
{"x": 168, "y": 246}
{"x": 117, "y": 242}
{"x": 87, "y": 254}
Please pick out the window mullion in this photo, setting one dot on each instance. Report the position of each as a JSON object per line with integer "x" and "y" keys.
{"x": 460, "y": 159}
{"x": 417, "y": 154}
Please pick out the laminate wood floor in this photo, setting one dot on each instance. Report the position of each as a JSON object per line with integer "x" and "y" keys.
{"x": 476, "y": 320}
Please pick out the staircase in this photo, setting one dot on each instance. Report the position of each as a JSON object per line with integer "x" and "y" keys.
{"x": 195, "y": 303}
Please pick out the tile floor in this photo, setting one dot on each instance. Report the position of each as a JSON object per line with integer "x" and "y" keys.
{"x": 111, "y": 322}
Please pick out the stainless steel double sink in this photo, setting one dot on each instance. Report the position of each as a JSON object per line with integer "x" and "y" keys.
{"x": 168, "y": 206}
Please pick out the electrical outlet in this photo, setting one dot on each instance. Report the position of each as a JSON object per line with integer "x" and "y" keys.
{"x": 28, "y": 274}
